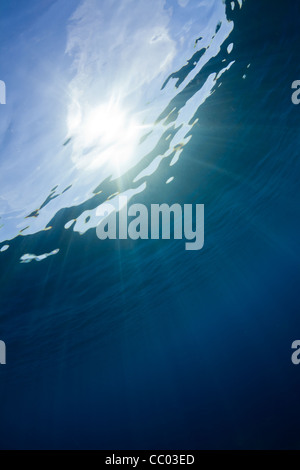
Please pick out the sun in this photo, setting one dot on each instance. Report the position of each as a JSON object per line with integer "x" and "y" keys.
{"x": 106, "y": 123}
{"x": 106, "y": 133}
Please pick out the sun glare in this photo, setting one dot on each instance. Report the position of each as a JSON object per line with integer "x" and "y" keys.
{"x": 105, "y": 134}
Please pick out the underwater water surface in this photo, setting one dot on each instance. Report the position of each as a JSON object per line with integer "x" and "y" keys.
{"x": 141, "y": 344}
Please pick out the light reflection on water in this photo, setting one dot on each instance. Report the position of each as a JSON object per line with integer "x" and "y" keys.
{"x": 138, "y": 79}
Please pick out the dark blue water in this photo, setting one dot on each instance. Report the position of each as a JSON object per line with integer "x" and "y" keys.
{"x": 143, "y": 345}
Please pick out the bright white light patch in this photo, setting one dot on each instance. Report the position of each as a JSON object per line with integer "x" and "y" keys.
{"x": 106, "y": 134}
{"x": 106, "y": 124}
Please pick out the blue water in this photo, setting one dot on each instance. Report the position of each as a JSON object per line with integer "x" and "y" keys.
{"x": 143, "y": 345}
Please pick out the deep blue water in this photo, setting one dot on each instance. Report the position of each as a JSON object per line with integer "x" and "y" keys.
{"x": 143, "y": 345}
